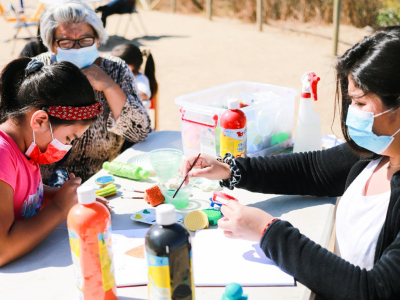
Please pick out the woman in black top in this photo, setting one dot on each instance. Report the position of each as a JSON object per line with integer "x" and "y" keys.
{"x": 34, "y": 47}
{"x": 115, "y": 7}
{"x": 368, "y": 92}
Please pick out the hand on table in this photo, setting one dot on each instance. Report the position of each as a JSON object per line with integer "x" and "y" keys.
{"x": 206, "y": 166}
{"x": 67, "y": 196}
{"x": 103, "y": 201}
{"x": 99, "y": 80}
{"x": 243, "y": 222}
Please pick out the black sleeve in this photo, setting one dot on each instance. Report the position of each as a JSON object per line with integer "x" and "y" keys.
{"x": 318, "y": 173}
{"x": 30, "y": 50}
{"x": 328, "y": 275}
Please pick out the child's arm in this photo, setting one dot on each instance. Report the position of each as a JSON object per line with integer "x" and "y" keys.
{"x": 328, "y": 275}
{"x": 50, "y": 192}
{"x": 19, "y": 237}
{"x": 316, "y": 173}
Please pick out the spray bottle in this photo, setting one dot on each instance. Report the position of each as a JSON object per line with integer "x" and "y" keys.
{"x": 308, "y": 130}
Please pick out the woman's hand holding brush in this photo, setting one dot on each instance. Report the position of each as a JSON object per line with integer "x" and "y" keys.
{"x": 206, "y": 166}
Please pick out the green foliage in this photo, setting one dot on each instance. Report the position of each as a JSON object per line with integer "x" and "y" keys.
{"x": 388, "y": 17}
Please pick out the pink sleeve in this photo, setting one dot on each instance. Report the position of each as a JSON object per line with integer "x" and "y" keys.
{"x": 8, "y": 167}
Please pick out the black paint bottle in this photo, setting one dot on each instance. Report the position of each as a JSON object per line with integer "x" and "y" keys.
{"x": 169, "y": 258}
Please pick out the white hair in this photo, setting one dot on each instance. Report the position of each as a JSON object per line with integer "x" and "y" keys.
{"x": 69, "y": 12}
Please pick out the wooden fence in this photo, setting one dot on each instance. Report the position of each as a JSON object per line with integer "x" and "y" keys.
{"x": 149, "y": 5}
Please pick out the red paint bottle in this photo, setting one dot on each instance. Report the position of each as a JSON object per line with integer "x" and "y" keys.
{"x": 233, "y": 136}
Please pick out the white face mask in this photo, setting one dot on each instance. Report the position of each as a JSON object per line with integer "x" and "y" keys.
{"x": 82, "y": 57}
{"x": 359, "y": 124}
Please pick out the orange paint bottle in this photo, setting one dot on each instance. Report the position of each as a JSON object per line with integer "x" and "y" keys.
{"x": 89, "y": 228}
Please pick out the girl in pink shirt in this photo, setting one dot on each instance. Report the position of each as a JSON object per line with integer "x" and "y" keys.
{"x": 42, "y": 110}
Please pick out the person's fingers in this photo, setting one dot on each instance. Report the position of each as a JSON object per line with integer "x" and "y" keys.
{"x": 200, "y": 172}
{"x": 223, "y": 219}
{"x": 75, "y": 181}
{"x": 183, "y": 169}
{"x": 106, "y": 205}
{"x": 90, "y": 73}
{"x": 103, "y": 201}
{"x": 234, "y": 205}
{"x": 200, "y": 162}
{"x": 229, "y": 234}
{"x": 227, "y": 211}
{"x": 225, "y": 224}
{"x": 187, "y": 164}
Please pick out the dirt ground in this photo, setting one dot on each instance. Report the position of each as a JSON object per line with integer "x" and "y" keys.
{"x": 192, "y": 53}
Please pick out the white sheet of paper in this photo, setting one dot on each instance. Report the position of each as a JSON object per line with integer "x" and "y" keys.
{"x": 218, "y": 261}
{"x": 129, "y": 270}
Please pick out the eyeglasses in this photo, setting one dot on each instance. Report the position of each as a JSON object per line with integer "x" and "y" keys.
{"x": 69, "y": 44}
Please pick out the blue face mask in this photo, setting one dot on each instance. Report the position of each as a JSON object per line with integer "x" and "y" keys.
{"x": 82, "y": 57}
{"x": 359, "y": 124}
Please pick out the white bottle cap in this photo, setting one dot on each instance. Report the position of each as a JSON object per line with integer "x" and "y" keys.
{"x": 165, "y": 214}
{"x": 86, "y": 194}
{"x": 233, "y": 103}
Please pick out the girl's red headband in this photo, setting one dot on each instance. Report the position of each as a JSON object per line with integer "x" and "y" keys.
{"x": 74, "y": 112}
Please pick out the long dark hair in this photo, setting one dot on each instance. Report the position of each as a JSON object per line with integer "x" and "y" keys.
{"x": 61, "y": 83}
{"x": 374, "y": 65}
{"x": 132, "y": 55}
{"x": 41, "y": 47}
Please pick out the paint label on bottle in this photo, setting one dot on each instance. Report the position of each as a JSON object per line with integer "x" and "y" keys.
{"x": 75, "y": 253}
{"x": 106, "y": 259}
{"x": 233, "y": 141}
{"x": 159, "y": 278}
{"x": 160, "y": 283}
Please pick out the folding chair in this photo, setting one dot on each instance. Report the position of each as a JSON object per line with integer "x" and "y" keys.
{"x": 133, "y": 11}
{"x": 5, "y": 15}
{"x": 21, "y": 22}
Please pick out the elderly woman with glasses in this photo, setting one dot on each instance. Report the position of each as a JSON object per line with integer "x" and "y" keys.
{"x": 73, "y": 32}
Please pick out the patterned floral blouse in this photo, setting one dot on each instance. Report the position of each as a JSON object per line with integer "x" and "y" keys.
{"x": 104, "y": 139}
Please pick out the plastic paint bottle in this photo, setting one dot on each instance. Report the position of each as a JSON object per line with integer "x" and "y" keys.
{"x": 89, "y": 228}
{"x": 233, "y": 136}
{"x": 308, "y": 130}
{"x": 126, "y": 170}
{"x": 169, "y": 257}
{"x": 234, "y": 291}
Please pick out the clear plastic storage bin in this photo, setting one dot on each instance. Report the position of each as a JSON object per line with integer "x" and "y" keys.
{"x": 269, "y": 113}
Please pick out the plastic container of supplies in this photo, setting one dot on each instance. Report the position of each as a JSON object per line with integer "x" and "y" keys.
{"x": 269, "y": 111}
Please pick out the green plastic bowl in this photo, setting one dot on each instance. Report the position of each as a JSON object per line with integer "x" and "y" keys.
{"x": 166, "y": 162}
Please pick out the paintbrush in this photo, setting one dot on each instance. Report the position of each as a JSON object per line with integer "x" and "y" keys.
{"x": 176, "y": 192}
